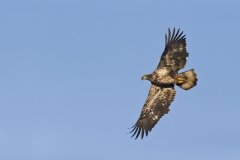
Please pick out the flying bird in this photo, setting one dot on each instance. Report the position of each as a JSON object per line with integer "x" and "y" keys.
{"x": 163, "y": 80}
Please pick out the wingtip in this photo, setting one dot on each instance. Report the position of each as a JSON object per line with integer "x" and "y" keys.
{"x": 139, "y": 132}
{"x": 166, "y": 39}
{"x": 174, "y": 35}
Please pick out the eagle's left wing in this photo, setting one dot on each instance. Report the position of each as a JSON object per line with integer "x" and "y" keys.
{"x": 156, "y": 105}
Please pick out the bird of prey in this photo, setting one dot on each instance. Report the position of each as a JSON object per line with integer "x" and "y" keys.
{"x": 163, "y": 79}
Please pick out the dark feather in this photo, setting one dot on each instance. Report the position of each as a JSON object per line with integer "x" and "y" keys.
{"x": 169, "y": 35}
{"x": 175, "y": 37}
{"x": 173, "y": 34}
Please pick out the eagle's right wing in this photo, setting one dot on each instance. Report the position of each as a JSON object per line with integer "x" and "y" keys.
{"x": 175, "y": 53}
{"x": 156, "y": 105}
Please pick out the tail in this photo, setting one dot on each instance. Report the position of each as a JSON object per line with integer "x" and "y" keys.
{"x": 186, "y": 80}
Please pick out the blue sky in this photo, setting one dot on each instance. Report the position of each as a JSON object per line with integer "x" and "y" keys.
{"x": 70, "y": 79}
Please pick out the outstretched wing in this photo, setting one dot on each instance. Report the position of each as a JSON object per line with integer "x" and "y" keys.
{"x": 156, "y": 105}
{"x": 175, "y": 53}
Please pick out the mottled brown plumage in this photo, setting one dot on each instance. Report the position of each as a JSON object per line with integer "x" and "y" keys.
{"x": 163, "y": 80}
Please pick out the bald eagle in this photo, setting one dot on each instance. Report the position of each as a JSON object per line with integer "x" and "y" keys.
{"x": 163, "y": 80}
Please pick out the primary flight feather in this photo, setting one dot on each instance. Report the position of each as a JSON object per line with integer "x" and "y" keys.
{"x": 163, "y": 80}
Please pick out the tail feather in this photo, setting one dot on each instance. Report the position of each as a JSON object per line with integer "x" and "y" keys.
{"x": 186, "y": 80}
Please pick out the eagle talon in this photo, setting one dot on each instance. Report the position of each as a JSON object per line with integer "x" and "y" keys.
{"x": 180, "y": 80}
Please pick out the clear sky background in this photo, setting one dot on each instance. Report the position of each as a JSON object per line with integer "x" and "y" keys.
{"x": 70, "y": 79}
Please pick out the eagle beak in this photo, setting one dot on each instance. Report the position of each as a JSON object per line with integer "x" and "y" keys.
{"x": 144, "y": 77}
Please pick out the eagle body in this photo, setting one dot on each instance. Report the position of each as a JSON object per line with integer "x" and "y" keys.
{"x": 163, "y": 80}
{"x": 164, "y": 76}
